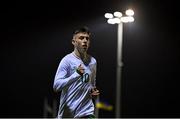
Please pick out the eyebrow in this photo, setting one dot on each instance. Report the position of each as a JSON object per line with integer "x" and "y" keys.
{"x": 84, "y": 36}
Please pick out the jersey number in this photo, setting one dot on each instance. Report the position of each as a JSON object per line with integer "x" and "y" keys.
{"x": 85, "y": 78}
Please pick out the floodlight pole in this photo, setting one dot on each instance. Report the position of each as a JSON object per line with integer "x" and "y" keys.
{"x": 119, "y": 19}
{"x": 119, "y": 68}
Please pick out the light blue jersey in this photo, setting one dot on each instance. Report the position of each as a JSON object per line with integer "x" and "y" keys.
{"x": 75, "y": 99}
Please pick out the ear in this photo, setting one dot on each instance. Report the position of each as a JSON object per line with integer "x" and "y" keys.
{"x": 73, "y": 41}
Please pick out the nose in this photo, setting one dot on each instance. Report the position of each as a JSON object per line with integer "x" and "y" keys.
{"x": 85, "y": 39}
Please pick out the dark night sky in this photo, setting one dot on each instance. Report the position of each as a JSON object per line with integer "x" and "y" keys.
{"x": 36, "y": 35}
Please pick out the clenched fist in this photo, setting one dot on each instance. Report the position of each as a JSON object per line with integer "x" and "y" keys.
{"x": 80, "y": 70}
{"x": 94, "y": 92}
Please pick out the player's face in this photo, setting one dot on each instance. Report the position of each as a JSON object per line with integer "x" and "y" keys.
{"x": 81, "y": 41}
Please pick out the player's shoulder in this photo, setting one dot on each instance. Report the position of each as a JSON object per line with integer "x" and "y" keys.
{"x": 67, "y": 57}
{"x": 93, "y": 59}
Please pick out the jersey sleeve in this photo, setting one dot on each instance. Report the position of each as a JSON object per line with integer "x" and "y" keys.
{"x": 94, "y": 74}
{"x": 61, "y": 79}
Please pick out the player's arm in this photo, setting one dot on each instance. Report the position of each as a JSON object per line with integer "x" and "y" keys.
{"x": 61, "y": 80}
{"x": 94, "y": 91}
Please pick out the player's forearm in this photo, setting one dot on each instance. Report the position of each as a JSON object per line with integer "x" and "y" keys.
{"x": 60, "y": 83}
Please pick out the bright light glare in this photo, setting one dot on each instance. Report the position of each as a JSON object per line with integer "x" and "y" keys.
{"x": 131, "y": 19}
{"x": 117, "y": 20}
{"x": 111, "y": 21}
{"x": 129, "y": 12}
{"x": 114, "y": 21}
{"x": 108, "y": 15}
{"x": 124, "y": 19}
{"x": 127, "y": 19}
{"x": 118, "y": 14}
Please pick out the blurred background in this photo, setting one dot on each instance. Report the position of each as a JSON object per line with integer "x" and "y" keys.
{"x": 37, "y": 34}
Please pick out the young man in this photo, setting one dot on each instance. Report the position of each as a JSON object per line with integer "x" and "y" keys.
{"x": 76, "y": 79}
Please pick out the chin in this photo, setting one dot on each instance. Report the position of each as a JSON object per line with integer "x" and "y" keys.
{"x": 84, "y": 50}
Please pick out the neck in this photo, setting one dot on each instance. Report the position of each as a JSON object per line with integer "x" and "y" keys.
{"x": 81, "y": 55}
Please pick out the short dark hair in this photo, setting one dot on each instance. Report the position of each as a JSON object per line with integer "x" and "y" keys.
{"x": 83, "y": 29}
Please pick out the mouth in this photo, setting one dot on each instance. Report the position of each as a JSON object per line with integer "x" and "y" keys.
{"x": 84, "y": 46}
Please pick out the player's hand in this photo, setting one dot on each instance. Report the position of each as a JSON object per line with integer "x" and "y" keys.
{"x": 80, "y": 69}
{"x": 94, "y": 92}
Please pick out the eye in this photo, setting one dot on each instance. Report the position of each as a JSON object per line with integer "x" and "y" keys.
{"x": 87, "y": 38}
{"x": 81, "y": 37}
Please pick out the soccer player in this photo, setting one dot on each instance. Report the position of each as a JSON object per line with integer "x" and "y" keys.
{"x": 75, "y": 79}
